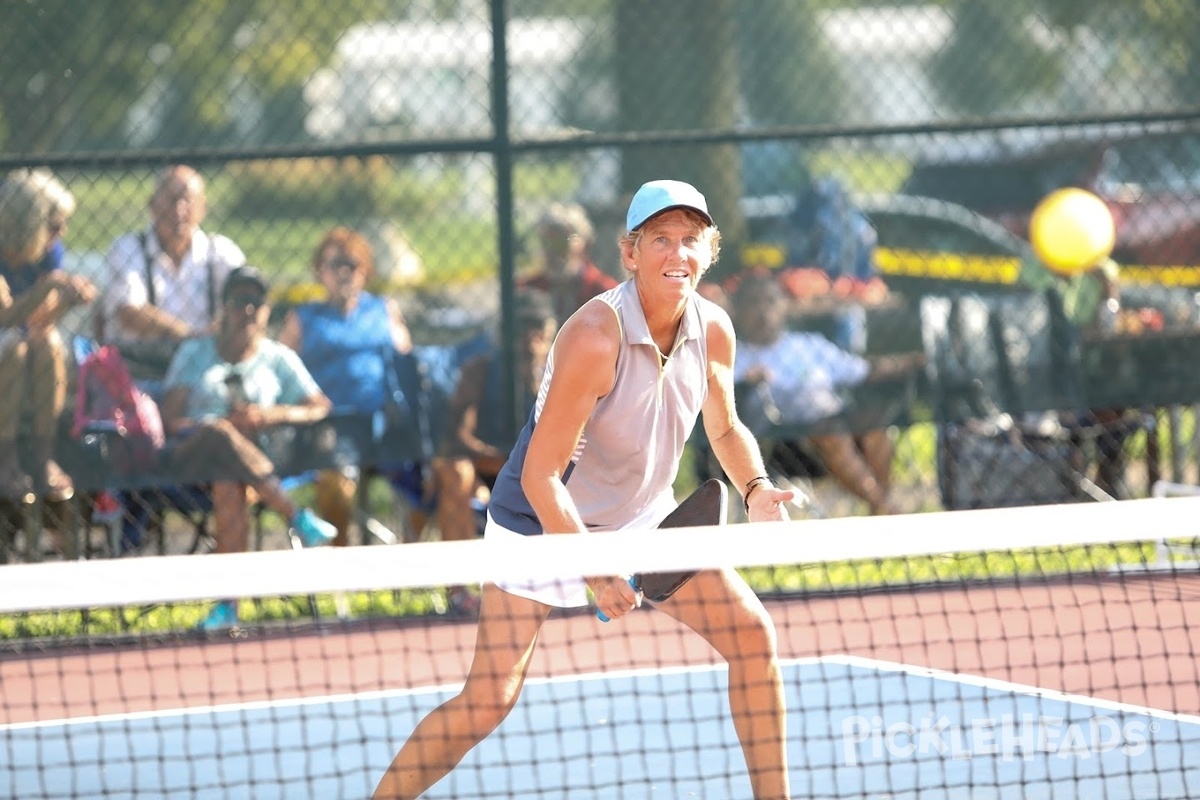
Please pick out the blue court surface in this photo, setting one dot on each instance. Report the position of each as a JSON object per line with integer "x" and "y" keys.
{"x": 856, "y": 729}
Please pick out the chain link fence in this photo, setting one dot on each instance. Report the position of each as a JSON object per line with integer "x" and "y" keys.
{"x": 879, "y": 162}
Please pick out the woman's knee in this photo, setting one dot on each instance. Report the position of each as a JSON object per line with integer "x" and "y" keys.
{"x": 741, "y": 630}
{"x": 753, "y": 629}
{"x": 488, "y": 702}
{"x": 755, "y": 635}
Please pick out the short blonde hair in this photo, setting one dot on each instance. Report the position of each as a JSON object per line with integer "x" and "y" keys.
{"x": 634, "y": 238}
{"x": 26, "y": 209}
{"x": 62, "y": 201}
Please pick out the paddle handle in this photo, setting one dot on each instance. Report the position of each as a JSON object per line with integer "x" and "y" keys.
{"x": 600, "y": 615}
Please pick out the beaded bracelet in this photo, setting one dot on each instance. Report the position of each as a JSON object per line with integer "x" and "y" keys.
{"x": 751, "y": 485}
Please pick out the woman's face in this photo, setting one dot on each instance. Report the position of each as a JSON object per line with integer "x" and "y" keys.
{"x": 342, "y": 276}
{"x": 671, "y": 255}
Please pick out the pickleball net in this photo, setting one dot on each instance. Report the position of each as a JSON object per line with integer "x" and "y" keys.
{"x": 1034, "y": 652}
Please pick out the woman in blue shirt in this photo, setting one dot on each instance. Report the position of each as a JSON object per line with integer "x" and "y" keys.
{"x": 345, "y": 340}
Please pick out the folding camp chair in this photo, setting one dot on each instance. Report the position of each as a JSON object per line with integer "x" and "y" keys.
{"x": 1007, "y": 392}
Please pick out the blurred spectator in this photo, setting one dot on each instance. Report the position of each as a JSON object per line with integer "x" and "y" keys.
{"x": 347, "y": 341}
{"x": 568, "y": 274}
{"x": 221, "y": 394}
{"x": 477, "y": 441}
{"x": 1092, "y": 301}
{"x": 798, "y": 377}
{"x": 165, "y": 280}
{"x": 830, "y": 253}
{"x": 35, "y": 292}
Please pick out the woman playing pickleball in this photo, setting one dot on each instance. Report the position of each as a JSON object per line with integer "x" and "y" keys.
{"x": 628, "y": 375}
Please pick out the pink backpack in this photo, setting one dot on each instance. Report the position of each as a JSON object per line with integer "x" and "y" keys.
{"x": 106, "y": 394}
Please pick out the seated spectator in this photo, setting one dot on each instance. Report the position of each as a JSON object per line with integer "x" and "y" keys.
{"x": 35, "y": 292}
{"x": 802, "y": 374}
{"x": 477, "y": 441}
{"x": 831, "y": 269}
{"x": 343, "y": 341}
{"x": 568, "y": 274}
{"x": 165, "y": 280}
{"x": 221, "y": 394}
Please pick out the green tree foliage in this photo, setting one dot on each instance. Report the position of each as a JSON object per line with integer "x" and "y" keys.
{"x": 1175, "y": 27}
{"x": 788, "y": 75}
{"x": 694, "y": 42}
{"x": 74, "y": 71}
{"x": 992, "y": 62}
{"x": 560, "y": 8}
{"x": 1152, "y": 35}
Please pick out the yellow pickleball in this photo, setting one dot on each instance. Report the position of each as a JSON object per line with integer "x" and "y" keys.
{"x": 1072, "y": 230}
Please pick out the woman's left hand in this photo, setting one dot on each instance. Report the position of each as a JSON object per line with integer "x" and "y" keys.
{"x": 767, "y": 504}
{"x": 614, "y": 596}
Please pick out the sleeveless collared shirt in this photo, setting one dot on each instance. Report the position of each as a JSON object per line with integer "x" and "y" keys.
{"x": 628, "y": 456}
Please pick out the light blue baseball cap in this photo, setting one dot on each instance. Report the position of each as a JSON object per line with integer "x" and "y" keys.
{"x": 655, "y": 197}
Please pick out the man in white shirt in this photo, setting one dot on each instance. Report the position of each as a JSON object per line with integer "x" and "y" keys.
{"x": 804, "y": 376}
{"x": 165, "y": 280}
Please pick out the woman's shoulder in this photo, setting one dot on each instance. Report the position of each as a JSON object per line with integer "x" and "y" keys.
{"x": 591, "y": 332}
{"x": 377, "y": 307}
{"x": 714, "y": 318}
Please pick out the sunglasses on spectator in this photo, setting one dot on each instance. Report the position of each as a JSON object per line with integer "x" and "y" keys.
{"x": 255, "y": 301}
{"x": 340, "y": 263}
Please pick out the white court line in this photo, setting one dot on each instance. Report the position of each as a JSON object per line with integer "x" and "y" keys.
{"x": 379, "y": 694}
{"x": 841, "y": 659}
{"x": 1010, "y": 686}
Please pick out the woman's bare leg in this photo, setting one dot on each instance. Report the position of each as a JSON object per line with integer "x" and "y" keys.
{"x": 48, "y": 391}
{"x": 275, "y": 497}
{"x": 231, "y": 516}
{"x": 504, "y": 642}
{"x": 15, "y": 484}
{"x": 719, "y": 606}
{"x": 841, "y": 456}
{"x": 336, "y": 494}
{"x": 456, "y": 480}
{"x": 877, "y": 449}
